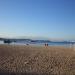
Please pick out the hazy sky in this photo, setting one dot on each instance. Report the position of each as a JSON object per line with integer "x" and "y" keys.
{"x": 42, "y": 18}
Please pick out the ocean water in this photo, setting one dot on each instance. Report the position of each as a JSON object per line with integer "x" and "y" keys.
{"x": 42, "y": 44}
{"x": 39, "y": 43}
{"x": 1, "y": 42}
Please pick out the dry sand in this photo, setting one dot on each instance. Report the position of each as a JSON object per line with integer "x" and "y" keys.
{"x": 30, "y": 60}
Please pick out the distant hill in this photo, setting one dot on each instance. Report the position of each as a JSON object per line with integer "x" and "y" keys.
{"x": 31, "y": 40}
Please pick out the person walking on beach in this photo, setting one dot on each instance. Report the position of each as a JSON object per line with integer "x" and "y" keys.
{"x": 46, "y": 44}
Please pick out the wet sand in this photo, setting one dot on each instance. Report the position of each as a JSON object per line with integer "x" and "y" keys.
{"x": 34, "y": 60}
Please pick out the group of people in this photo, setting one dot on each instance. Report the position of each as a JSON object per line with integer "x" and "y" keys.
{"x": 46, "y": 44}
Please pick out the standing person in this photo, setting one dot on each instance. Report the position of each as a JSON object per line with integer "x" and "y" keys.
{"x": 47, "y": 44}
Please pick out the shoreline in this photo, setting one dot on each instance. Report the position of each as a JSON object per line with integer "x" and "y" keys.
{"x": 38, "y": 45}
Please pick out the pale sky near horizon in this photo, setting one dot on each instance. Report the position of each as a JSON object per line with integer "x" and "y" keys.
{"x": 38, "y": 18}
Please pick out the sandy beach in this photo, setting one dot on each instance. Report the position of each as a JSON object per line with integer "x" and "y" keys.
{"x": 34, "y": 60}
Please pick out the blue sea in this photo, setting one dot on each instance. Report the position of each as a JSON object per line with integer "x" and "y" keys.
{"x": 40, "y": 43}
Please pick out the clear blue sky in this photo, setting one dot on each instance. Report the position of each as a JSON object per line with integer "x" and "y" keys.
{"x": 42, "y": 18}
